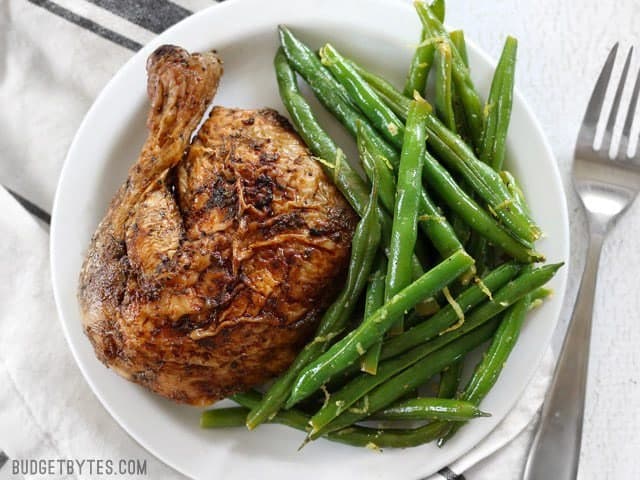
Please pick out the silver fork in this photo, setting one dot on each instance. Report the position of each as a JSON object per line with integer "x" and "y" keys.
{"x": 607, "y": 186}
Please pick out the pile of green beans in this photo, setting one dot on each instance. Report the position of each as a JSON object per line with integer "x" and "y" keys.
{"x": 430, "y": 336}
{"x": 465, "y": 88}
{"x": 442, "y": 259}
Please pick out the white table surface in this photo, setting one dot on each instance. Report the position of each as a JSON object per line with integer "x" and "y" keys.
{"x": 563, "y": 44}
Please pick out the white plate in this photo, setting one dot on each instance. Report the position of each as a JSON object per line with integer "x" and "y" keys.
{"x": 378, "y": 32}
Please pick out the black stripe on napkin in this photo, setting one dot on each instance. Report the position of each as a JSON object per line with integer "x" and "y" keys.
{"x": 154, "y": 15}
{"x": 449, "y": 474}
{"x": 88, "y": 24}
{"x": 37, "y": 212}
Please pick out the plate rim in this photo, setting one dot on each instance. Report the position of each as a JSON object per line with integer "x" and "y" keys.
{"x": 99, "y": 100}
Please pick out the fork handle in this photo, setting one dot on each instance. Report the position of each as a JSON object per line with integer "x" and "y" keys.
{"x": 555, "y": 451}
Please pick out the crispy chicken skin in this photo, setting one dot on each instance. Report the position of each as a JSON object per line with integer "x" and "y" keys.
{"x": 215, "y": 259}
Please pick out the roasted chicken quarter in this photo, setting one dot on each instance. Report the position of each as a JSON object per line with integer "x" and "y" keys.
{"x": 217, "y": 255}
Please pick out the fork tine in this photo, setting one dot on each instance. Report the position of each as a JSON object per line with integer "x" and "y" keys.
{"x": 608, "y": 133}
{"x": 587, "y": 132}
{"x": 626, "y": 131}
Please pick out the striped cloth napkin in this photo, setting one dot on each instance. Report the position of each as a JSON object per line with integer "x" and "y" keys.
{"x": 55, "y": 56}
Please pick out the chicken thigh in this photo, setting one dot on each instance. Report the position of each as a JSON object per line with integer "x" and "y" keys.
{"x": 216, "y": 257}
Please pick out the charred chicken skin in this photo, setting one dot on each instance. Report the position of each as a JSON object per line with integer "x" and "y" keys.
{"x": 215, "y": 258}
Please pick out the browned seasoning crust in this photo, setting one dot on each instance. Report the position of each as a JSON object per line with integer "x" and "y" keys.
{"x": 210, "y": 268}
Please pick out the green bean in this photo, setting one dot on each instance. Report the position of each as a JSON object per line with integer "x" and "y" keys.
{"x": 415, "y": 317}
{"x": 361, "y": 385}
{"x": 416, "y": 263}
{"x": 494, "y": 138}
{"x": 426, "y": 309}
{"x": 422, "y": 58}
{"x": 464, "y": 85}
{"x": 292, "y": 418}
{"x": 460, "y": 228}
{"x": 367, "y": 99}
{"x": 457, "y": 38}
{"x": 419, "y": 67}
{"x": 364, "y": 96}
{"x": 327, "y": 88}
{"x": 438, "y": 7}
{"x": 443, "y": 85}
{"x": 514, "y": 188}
{"x": 431, "y": 409}
{"x": 374, "y": 299}
{"x": 394, "y": 99}
{"x": 458, "y": 125}
{"x": 347, "y": 350}
{"x": 373, "y": 163}
{"x": 387, "y": 187}
{"x": 364, "y": 244}
{"x": 450, "y": 380}
{"x": 387, "y": 190}
{"x": 462, "y": 127}
{"x": 397, "y": 102}
{"x": 519, "y": 199}
{"x": 488, "y": 370}
{"x": 435, "y": 226}
{"x": 394, "y": 387}
{"x": 339, "y": 357}
{"x": 479, "y": 248}
{"x": 525, "y": 283}
{"x": 369, "y": 362}
{"x": 423, "y": 252}
{"x": 404, "y": 230}
{"x": 482, "y": 252}
{"x": 444, "y": 102}
{"x": 540, "y": 294}
{"x": 224, "y": 417}
{"x": 450, "y": 192}
{"x": 477, "y": 244}
{"x": 355, "y": 436}
{"x": 389, "y": 438}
